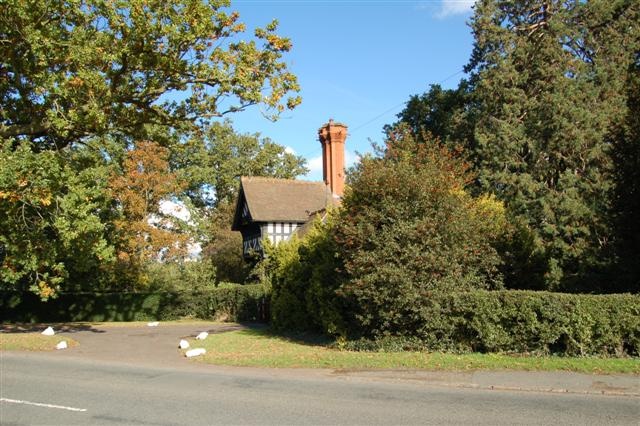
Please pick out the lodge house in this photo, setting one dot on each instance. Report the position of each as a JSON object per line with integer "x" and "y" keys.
{"x": 276, "y": 209}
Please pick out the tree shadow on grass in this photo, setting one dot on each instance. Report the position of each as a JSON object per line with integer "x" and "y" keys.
{"x": 58, "y": 328}
{"x": 301, "y": 338}
{"x": 225, "y": 328}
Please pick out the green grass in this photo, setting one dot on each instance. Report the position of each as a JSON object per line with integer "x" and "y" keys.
{"x": 31, "y": 342}
{"x": 260, "y": 348}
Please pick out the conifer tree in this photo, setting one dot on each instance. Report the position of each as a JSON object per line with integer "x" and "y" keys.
{"x": 549, "y": 80}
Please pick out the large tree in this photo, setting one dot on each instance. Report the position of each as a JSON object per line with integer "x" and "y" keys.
{"x": 626, "y": 149}
{"x": 77, "y": 68}
{"x": 445, "y": 114}
{"x": 81, "y": 83}
{"x": 212, "y": 160}
{"x": 56, "y": 216}
{"x": 144, "y": 231}
{"x": 549, "y": 79}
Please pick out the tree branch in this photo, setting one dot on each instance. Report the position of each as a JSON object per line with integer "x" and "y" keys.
{"x": 35, "y": 128}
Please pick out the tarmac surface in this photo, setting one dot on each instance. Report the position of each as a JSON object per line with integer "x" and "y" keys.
{"x": 144, "y": 346}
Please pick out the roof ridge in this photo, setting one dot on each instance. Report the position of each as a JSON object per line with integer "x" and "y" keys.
{"x": 282, "y": 180}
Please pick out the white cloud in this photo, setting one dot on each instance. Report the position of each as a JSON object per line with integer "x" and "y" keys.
{"x": 289, "y": 150}
{"x": 351, "y": 159}
{"x": 174, "y": 209}
{"x": 454, "y": 7}
{"x": 181, "y": 212}
{"x": 315, "y": 164}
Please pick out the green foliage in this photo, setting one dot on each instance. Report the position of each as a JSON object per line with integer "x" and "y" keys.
{"x": 194, "y": 276}
{"x": 547, "y": 120}
{"x": 303, "y": 275}
{"x": 228, "y": 302}
{"x": 549, "y": 86}
{"x": 520, "y": 321}
{"x": 232, "y": 302}
{"x": 444, "y": 114}
{"x": 85, "y": 84}
{"x": 408, "y": 227}
{"x": 284, "y": 271}
{"x": 224, "y": 247}
{"x": 54, "y": 212}
{"x": 213, "y": 160}
{"x": 626, "y": 195}
{"x": 76, "y": 68}
{"x": 322, "y": 272}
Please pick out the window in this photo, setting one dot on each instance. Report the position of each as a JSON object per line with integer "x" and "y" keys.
{"x": 280, "y": 231}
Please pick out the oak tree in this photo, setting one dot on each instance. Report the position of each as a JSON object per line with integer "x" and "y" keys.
{"x": 77, "y": 68}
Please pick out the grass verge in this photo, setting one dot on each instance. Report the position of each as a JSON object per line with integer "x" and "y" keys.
{"x": 260, "y": 348}
{"x": 32, "y": 342}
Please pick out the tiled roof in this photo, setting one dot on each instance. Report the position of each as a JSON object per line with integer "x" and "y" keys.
{"x": 283, "y": 200}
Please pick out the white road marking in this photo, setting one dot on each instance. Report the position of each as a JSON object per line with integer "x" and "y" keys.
{"x": 39, "y": 404}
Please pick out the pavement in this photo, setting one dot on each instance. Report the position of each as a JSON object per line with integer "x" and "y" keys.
{"x": 143, "y": 346}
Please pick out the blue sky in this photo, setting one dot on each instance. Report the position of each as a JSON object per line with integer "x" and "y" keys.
{"x": 357, "y": 62}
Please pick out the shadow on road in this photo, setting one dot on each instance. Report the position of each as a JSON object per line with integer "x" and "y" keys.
{"x": 58, "y": 327}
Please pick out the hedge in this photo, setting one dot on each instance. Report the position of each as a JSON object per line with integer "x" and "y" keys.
{"x": 522, "y": 322}
{"x": 231, "y": 302}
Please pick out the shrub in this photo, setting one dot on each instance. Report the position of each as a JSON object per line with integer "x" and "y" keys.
{"x": 303, "y": 275}
{"x": 232, "y": 302}
{"x": 174, "y": 277}
{"x": 224, "y": 247}
{"x": 407, "y": 226}
{"x": 520, "y": 321}
{"x": 282, "y": 269}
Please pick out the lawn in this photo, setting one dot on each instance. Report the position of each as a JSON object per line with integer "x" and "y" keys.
{"x": 31, "y": 342}
{"x": 260, "y": 348}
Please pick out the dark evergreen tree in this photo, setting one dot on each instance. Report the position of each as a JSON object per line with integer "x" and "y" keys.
{"x": 549, "y": 80}
{"x": 626, "y": 142}
{"x": 445, "y": 114}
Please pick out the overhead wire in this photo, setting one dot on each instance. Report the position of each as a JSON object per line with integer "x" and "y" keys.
{"x": 382, "y": 114}
{"x": 400, "y": 104}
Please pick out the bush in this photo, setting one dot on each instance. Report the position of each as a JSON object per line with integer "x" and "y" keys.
{"x": 303, "y": 275}
{"x": 284, "y": 271}
{"x": 232, "y": 302}
{"x": 176, "y": 277}
{"x": 407, "y": 226}
{"x": 520, "y": 321}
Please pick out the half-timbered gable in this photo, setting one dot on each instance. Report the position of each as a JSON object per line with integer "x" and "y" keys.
{"x": 275, "y": 209}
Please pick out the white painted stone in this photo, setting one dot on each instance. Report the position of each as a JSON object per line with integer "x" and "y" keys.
{"x": 62, "y": 345}
{"x": 183, "y": 344}
{"x": 48, "y": 331}
{"x": 153, "y": 324}
{"x": 195, "y": 352}
{"x": 202, "y": 335}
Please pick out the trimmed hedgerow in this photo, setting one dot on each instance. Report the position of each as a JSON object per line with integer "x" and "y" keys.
{"x": 231, "y": 302}
{"x": 520, "y": 321}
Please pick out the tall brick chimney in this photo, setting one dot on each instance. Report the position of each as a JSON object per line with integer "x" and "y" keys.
{"x": 332, "y": 136}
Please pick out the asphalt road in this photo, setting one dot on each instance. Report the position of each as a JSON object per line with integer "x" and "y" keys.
{"x": 84, "y": 392}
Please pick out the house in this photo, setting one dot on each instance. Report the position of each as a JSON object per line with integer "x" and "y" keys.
{"x": 276, "y": 209}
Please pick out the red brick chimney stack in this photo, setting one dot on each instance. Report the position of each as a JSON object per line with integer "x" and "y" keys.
{"x": 332, "y": 136}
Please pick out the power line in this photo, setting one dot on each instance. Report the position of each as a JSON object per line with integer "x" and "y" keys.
{"x": 400, "y": 104}
{"x": 382, "y": 114}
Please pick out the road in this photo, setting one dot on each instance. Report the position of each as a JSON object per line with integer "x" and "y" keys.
{"x": 78, "y": 391}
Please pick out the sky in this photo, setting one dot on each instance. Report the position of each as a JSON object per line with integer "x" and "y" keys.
{"x": 357, "y": 62}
